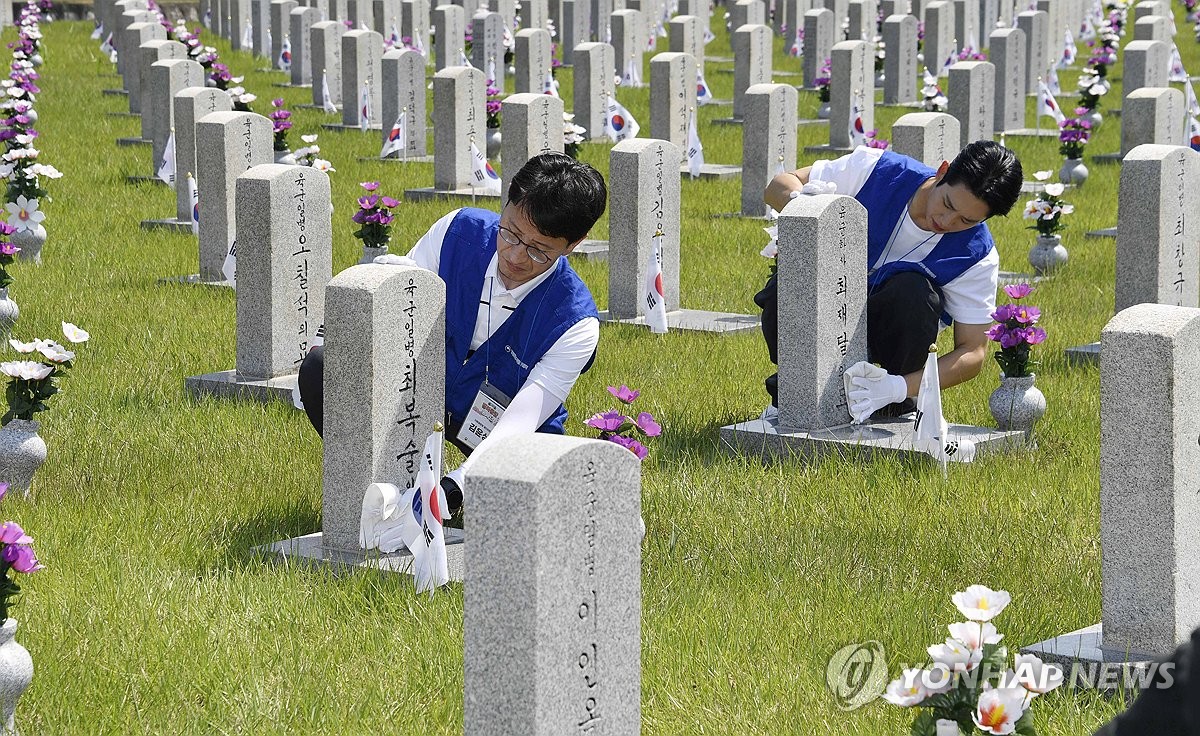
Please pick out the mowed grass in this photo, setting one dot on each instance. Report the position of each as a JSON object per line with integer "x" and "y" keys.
{"x": 153, "y": 616}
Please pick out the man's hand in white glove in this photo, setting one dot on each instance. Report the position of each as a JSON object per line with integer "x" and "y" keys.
{"x": 390, "y": 259}
{"x": 819, "y": 187}
{"x": 869, "y": 388}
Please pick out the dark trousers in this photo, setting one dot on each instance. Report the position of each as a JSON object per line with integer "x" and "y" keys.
{"x": 902, "y": 321}
{"x": 1165, "y": 711}
{"x": 312, "y": 387}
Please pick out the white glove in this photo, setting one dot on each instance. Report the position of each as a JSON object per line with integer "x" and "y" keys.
{"x": 819, "y": 187}
{"x": 379, "y": 503}
{"x": 870, "y": 388}
{"x": 390, "y": 259}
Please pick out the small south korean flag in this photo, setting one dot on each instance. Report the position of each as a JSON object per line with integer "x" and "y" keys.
{"x": 655, "y": 301}
{"x": 482, "y": 174}
{"x": 285, "y": 54}
{"x": 326, "y": 98}
{"x": 704, "y": 95}
{"x": 194, "y": 202}
{"x": 229, "y": 267}
{"x": 166, "y": 170}
{"x": 695, "y": 149}
{"x": 618, "y": 123}
{"x": 396, "y": 138}
{"x": 364, "y": 109}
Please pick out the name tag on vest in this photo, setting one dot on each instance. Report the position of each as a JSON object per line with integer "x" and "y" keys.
{"x": 486, "y": 410}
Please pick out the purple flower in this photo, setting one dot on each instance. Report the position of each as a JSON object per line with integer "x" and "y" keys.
{"x": 20, "y": 558}
{"x": 995, "y": 332}
{"x": 1035, "y": 335}
{"x": 359, "y": 217}
{"x": 12, "y": 533}
{"x": 637, "y": 448}
{"x": 389, "y": 202}
{"x": 3, "y": 489}
{"x": 8, "y": 249}
{"x": 1011, "y": 338}
{"x": 369, "y": 202}
{"x": 646, "y": 423}
{"x": 1004, "y": 312}
{"x": 609, "y": 421}
{"x": 277, "y": 102}
{"x": 624, "y": 394}
{"x": 370, "y": 186}
{"x": 384, "y": 218}
{"x": 1026, "y": 315}
{"x": 1018, "y": 291}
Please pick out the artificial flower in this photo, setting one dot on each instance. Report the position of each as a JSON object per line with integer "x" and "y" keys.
{"x": 998, "y": 711}
{"x": 74, "y": 334}
{"x": 974, "y": 635}
{"x": 981, "y": 603}
{"x": 624, "y": 394}
{"x": 907, "y": 690}
{"x": 1035, "y": 675}
{"x": 24, "y": 213}
{"x": 12, "y": 533}
{"x": 609, "y": 421}
{"x": 26, "y": 370}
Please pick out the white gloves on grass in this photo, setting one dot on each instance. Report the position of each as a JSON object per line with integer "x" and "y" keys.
{"x": 869, "y": 388}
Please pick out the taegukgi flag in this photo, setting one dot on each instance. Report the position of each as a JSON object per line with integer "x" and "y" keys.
{"x": 704, "y": 95}
{"x": 285, "y": 54}
{"x": 194, "y": 202}
{"x": 695, "y": 149}
{"x": 931, "y": 432}
{"x": 1047, "y": 105}
{"x": 364, "y": 109}
{"x": 396, "y": 138}
{"x": 166, "y": 170}
{"x": 326, "y": 98}
{"x": 656, "y": 301}
{"x": 618, "y": 123}
{"x": 483, "y": 175}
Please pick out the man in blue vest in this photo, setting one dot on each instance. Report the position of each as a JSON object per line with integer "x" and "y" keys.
{"x": 930, "y": 262}
{"x": 520, "y": 324}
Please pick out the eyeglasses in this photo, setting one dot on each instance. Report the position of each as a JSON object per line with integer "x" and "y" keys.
{"x": 534, "y": 254}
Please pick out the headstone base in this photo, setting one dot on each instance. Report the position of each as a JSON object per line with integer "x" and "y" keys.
{"x": 695, "y": 320}
{"x": 1083, "y": 354}
{"x": 192, "y": 280}
{"x": 426, "y": 194}
{"x": 398, "y": 160}
{"x": 879, "y": 438}
{"x": 715, "y": 101}
{"x": 713, "y": 171}
{"x": 1107, "y": 158}
{"x": 347, "y": 128}
{"x": 309, "y": 550}
{"x": 826, "y": 148}
{"x": 139, "y": 179}
{"x": 121, "y": 114}
{"x": 310, "y": 106}
{"x": 1087, "y": 664}
{"x": 1032, "y": 133}
{"x": 227, "y": 385}
{"x": 1108, "y": 232}
{"x": 915, "y": 105}
{"x": 175, "y": 226}
{"x": 591, "y": 250}
{"x": 812, "y": 121}
{"x": 129, "y": 142}
{"x": 292, "y": 86}
{"x": 115, "y": 92}
{"x": 727, "y": 121}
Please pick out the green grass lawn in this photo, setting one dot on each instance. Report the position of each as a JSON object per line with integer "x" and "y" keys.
{"x": 152, "y": 615}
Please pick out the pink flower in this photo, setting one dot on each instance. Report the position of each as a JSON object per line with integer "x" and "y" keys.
{"x": 389, "y": 202}
{"x": 624, "y": 394}
{"x": 609, "y": 421}
{"x": 370, "y": 186}
{"x": 1018, "y": 291}
{"x": 8, "y": 249}
{"x": 20, "y": 558}
{"x": 637, "y": 448}
{"x": 12, "y": 533}
{"x": 646, "y": 423}
{"x": 1035, "y": 336}
{"x": 3, "y": 489}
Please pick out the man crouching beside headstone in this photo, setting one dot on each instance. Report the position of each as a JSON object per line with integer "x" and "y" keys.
{"x": 930, "y": 261}
{"x": 520, "y": 324}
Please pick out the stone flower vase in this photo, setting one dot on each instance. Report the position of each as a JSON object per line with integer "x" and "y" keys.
{"x": 1073, "y": 172}
{"x": 493, "y": 144}
{"x": 371, "y": 252}
{"x": 22, "y": 452}
{"x": 823, "y": 111}
{"x": 16, "y": 673}
{"x": 1047, "y": 254}
{"x": 285, "y": 157}
{"x": 1017, "y": 404}
{"x": 1095, "y": 118}
{"x": 30, "y": 242}
{"x": 8, "y": 313}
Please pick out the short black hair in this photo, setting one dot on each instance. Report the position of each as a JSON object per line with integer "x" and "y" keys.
{"x": 562, "y": 197}
{"x": 992, "y": 173}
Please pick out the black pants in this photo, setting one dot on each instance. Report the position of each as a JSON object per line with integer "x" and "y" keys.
{"x": 1166, "y": 711}
{"x": 902, "y": 321}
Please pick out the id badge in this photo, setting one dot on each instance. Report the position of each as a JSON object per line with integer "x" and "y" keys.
{"x": 486, "y": 410}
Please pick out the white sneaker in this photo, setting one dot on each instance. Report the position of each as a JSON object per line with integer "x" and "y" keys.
{"x": 770, "y": 415}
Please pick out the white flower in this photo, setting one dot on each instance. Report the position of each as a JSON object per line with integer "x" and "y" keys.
{"x": 236, "y": 80}
{"x": 6, "y": 170}
{"x": 321, "y": 164}
{"x": 974, "y": 635}
{"x": 16, "y": 92}
{"x": 1067, "y": 209}
{"x": 955, "y": 656}
{"x": 25, "y": 140}
{"x": 23, "y": 347}
{"x": 312, "y": 138}
{"x": 1097, "y": 89}
{"x": 1035, "y": 675}
{"x": 27, "y": 370}
{"x": 247, "y": 98}
{"x": 236, "y": 91}
{"x": 998, "y": 711}
{"x": 74, "y": 334}
{"x": 1043, "y": 175}
{"x": 937, "y": 679}
{"x": 45, "y": 170}
{"x": 908, "y": 690}
{"x": 981, "y": 603}
{"x": 24, "y": 214}
{"x": 55, "y": 352}
{"x": 1056, "y": 189}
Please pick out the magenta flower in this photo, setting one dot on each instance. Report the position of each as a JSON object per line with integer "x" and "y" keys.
{"x": 12, "y": 533}
{"x": 609, "y": 421}
{"x": 1027, "y": 315}
{"x": 20, "y": 558}
{"x": 1018, "y": 291}
{"x": 646, "y": 423}
{"x": 385, "y": 218}
{"x": 368, "y": 203}
{"x": 624, "y": 394}
{"x": 1005, "y": 312}
{"x": 995, "y": 331}
{"x": 1011, "y": 338}
{"x": 637, "y": 448}
{"x": 8, "y": 249}
{"x": 1035, "y": 336}
{"x": 370, "y": 186}
{"x": 277, "y": 102}
{"x": 389, "y": 202}
{"x": 3, "y": 489}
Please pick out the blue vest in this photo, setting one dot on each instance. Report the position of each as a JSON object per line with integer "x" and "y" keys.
{"x": 885, "y": 195}
{"x": 538, "y": 321}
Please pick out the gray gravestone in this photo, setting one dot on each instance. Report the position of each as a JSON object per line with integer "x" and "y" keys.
{"x": 189, "y": 106}
{"x": 449, "y": 24}
{"x": 862, "y": 20}
{"x": 1149, "y": 462}
{"x": 362, "y": 60}
{"x": 929, "y": 137}
{"x": 166, "y": 78}
{"x": 672, "y": 97}
{"x": 972, "y": 90}
{"x": 600, "y": 30}
{"x": 989, "y": 14}
{"x": 686, "y": 37}
{"x": 852, "y": 83}
{"x": 752, "y": 62}
{"x": 361, "y": 15}
{"x": 966, "y": 22}
{"x": 552, "y": 629}
{"x": 627, "y": 42}
{"x": 326, "y": 44}
{"x": 537, "y": 14}
{"x": 530, "y": 125}
{"x": 385, "y": 386}
{"x": 1152, "y": 115}
{"x": 302, "y": 20}
{"x": 227, "y": 145}
{"x": 822, "y": 307}
{"x": 593, "y": 85}
{"x": 508, "y": 12}
{"x": 281, "y": 21}
{"x": 1146, "y": 64}
{"x": 1153, "y": 28}
{"x": 146, "y": 54}
{"x": 458, "y": 120}
{"x": 415, "y": 21}
{"x": 1157, "y": 258}
{"x": 939, "y": 36}
{"x": 1033, "y": 23}
{"x": 260, "y": 22}
{"x": 768, "y": 141}
{"x": 574, "y": 27}
{"x": 470, "y": 7}
{"x": 532, "y": 58}
{"x": 643, "y": 194}
{"x": 1007, "y": 52}
{"x": 1150, "y": 7}
{"x": 900, "y": 59}
{"x": 487, "y": 50}
{"x": 137, "y": 28}
{"x": 1053, "y": 10}
{"x": 747, "y": 12}
{"x": 818, "y": 43}
{"x": 239, "y": 16}
{"x": 403, "y": 75}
